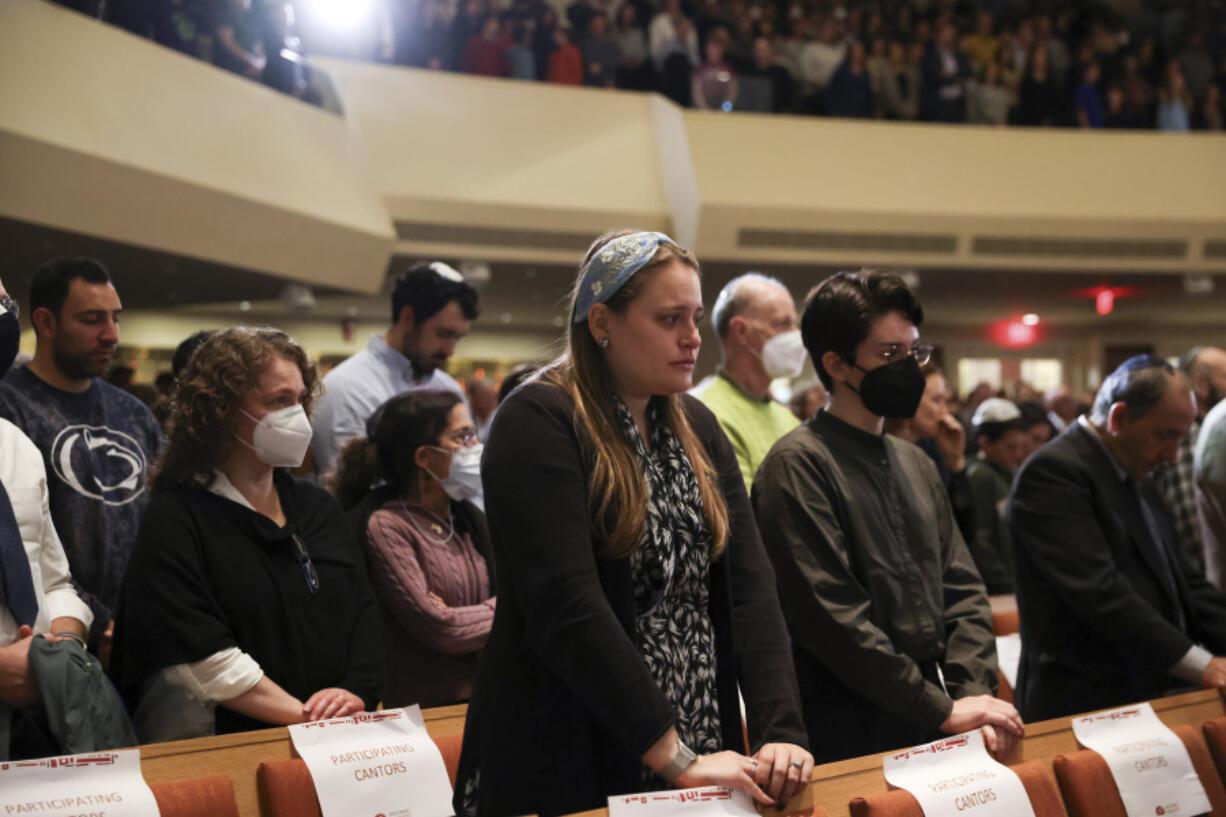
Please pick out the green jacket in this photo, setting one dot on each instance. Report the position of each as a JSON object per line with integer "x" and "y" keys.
{"x": 990, "y": 546}
{"x": 79, "y": 709}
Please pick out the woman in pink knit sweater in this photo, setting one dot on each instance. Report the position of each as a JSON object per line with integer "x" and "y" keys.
{"x": 427, "y": 545}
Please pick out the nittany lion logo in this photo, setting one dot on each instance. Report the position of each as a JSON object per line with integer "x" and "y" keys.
{"x": 100, "y": 463}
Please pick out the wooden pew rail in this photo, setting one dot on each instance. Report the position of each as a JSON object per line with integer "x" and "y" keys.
{"x": 833, "y": 787}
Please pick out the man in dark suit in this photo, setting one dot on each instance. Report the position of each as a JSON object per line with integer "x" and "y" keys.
{"x": 946, "y": 71}
{"x": 1112, "y": 610}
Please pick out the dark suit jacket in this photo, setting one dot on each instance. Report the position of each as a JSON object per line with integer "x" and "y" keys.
{"x": 564, "y": 705}
{"x": 933, "y": 106}
{"x": 1099, "y": 624}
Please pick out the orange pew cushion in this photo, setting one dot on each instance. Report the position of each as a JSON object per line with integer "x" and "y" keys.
{"x": 1039, "y": 785}
{"x": 286, "y": 788}
{"x": 201, "y": 797}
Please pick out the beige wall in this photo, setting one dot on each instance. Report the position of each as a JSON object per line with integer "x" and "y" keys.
{"x": 110, "y": 135}
{"x": 115, "y": 136}
{"x": 106, "y": 134}
{"x": 488, "y": 152}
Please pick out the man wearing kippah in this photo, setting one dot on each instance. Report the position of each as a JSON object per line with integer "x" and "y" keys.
{"x": 1113, "y": 611}
{"x": 433, "y": 307}
{"x": 1002, "y": 439}
{"x": 755, "y": 319}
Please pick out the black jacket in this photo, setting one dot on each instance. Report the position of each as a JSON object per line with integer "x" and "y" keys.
{"x": 1100, "y": 626}
{"x": 564, "y": 705}
{"x": 207, "y": 574}
{"x": 876, "y": 585}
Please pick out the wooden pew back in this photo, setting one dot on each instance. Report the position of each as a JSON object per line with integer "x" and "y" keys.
{"x": 833, "y": 786}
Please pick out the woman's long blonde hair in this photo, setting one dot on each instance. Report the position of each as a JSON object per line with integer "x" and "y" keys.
{"x": 617, "y": 493}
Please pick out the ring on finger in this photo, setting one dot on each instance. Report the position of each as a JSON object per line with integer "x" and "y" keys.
{"x": 797, "y": 764}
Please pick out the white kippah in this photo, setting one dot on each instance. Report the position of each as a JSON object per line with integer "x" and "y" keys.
{"x": 446, "y": 271}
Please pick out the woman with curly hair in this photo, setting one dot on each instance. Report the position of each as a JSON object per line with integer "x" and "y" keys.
{"x": 246, "y": 602}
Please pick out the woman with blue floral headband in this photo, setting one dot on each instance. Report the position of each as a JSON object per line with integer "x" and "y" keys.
{"x": 635, "y": 596}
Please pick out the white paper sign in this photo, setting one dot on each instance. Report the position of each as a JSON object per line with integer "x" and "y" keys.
{"x": 1009, "y": 656}
{"x": 708, "y": 801}
{"x": 375, "y": 763}
{"x": 958, "y": 776}
{"x": 1149, "y": 762}
{"x": 103, "y": 784}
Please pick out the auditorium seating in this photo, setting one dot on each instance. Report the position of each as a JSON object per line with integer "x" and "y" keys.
{"x": 1215, "y": 737}
{"x": 202, "y": 797}
{"x": 260, "y": 773}
{"x": 1034, "y": 774}
{"x": 1194, "y": 739}
{"x": 1005, "y": 621}
{"x": 1087, "y": 787}
{"x": 286, "y": 790}
{"x": 1089, "y": 790}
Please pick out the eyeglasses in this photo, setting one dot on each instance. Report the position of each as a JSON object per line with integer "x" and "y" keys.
{"x": 897, "y": 351}
{"x": 308, "y": 567}
{"x": 464, "y": 436}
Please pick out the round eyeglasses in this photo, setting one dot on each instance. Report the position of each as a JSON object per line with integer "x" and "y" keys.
{"x": 922, "y": 352}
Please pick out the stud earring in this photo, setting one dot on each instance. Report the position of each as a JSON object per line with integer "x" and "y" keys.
{"x": 604, "y": 343}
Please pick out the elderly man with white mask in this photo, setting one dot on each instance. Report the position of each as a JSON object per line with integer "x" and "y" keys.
{"x": 755, "y": 319}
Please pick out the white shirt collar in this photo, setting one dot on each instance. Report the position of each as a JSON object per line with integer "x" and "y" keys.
{"x": 225, "y": 489}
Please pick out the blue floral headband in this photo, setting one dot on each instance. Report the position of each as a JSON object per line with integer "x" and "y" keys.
{"x": 613, "y": 265}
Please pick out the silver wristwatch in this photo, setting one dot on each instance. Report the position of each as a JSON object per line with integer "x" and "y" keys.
{"x": 681, "y": 761}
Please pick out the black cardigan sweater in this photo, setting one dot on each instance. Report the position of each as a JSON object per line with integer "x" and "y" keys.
{"x": 207, "y": 574}
{"x": 564, "y": 706}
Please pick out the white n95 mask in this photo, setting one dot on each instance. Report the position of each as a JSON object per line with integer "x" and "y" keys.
{"x": 784, "y": 355}
{"x": 281, "y": 437}
{"x": 463, "y": 481}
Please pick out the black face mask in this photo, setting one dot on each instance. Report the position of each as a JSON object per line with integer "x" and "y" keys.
{"x": 893, "y": 390}
{"x": 10, "y": 340}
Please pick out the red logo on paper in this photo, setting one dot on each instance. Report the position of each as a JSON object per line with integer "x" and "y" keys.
{"x": 1160, "y": 810}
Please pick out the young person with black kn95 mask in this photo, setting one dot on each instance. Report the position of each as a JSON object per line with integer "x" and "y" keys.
{"x": 890, "y": 625}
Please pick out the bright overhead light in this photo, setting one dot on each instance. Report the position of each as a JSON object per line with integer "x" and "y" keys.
{"x": 340, "y": 15}
{"x": 1030, "y": 319}
{"x": 244, "y": 306}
